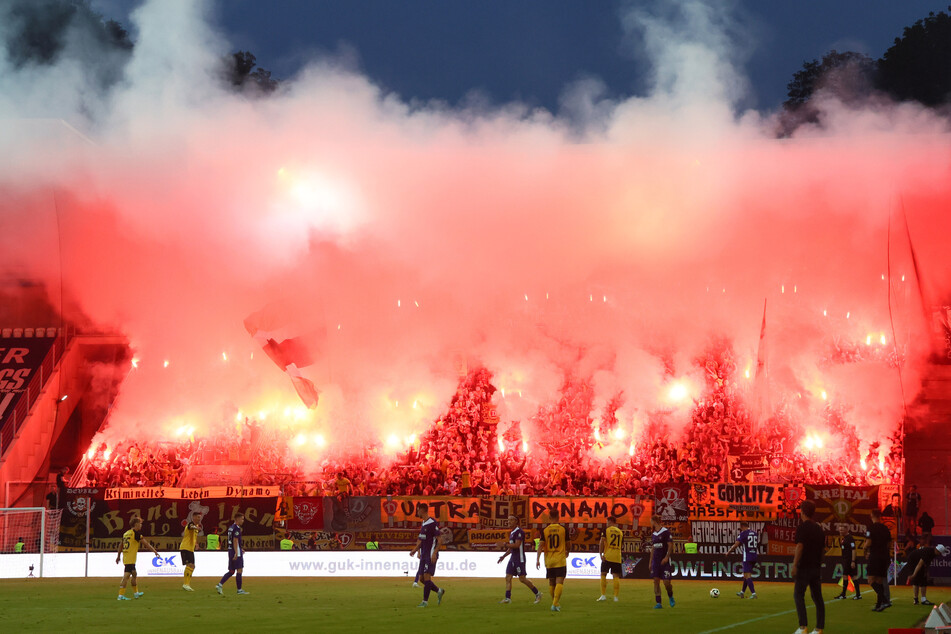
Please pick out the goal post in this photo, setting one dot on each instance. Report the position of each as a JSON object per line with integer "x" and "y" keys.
{"x": 30, "y": 532}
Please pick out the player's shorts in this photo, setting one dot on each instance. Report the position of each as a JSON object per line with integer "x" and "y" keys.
{"x": 555, "y": 573}
{"x": 877, "y": 566}
{"x": 515, "y": 567}
{"x": 614, "y": 567}
{"x": 130, "y": 567}
{"x": 847, "y": 567}
{"x": 748, "y": 566}
{"x": 188, "y": 557}
{"x": 659, "y": 570}
{"x": 235, "y": 564}
{"x": 427, "y": 567}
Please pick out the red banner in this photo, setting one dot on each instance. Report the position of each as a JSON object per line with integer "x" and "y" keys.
{"x": 671, "y": 502}
{"x": 307, "y": 514}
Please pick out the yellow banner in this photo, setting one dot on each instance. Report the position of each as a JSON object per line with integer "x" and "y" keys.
{"x": 442, "y": 509}
{"x": 180, "y": 493}
{"x": 592, "y": 510}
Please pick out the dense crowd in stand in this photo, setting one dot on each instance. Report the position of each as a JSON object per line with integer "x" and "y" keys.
{"x": 569, "y": 449}
{"x": 137, "y": 464}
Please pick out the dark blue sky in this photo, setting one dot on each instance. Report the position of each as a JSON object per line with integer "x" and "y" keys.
{"x": 529, "y": 50}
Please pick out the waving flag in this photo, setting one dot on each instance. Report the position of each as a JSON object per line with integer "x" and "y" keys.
{"x": 267, "y": 327}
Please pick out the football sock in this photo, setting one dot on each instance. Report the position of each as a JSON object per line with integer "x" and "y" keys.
{"x": 121, "y": 592}
{"x": 879, "y": 592}
{"x": 188, "y": 575}
{"x": 237, "y": 579}
{"x": 135, "y": 588}
{"x": 749, "y": 582}
{"x": 744, "y": 585}
{"x": 657, "y": 598}
{"x": 426, "y": 591}
{"x": 604, "y": 584}
{"x": 558, "y": 588}
{"x": 670, "y": 592}
{"x": 225, "y": 578}
{"x": 508, "y": 594}
{"x": 617, "y": 586}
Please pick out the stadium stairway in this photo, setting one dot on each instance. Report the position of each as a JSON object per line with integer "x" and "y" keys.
{"x": 60, "y": 421}
{"x": 928, "y": 446}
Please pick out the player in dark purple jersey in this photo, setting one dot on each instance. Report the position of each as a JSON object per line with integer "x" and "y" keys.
{"x": 660, "y": 561}
{"x": 516, "y": 566}
{"x": 748, "y": 543}
{"x": 235, "y": 555}
{"x": 428, "y": 548}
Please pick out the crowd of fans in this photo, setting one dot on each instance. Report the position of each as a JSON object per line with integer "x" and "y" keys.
{"x": 137, "y": 464}
{"x": 571, "y": 449}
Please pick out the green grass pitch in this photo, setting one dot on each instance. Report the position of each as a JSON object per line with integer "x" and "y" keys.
{"x": 389, "y": 605}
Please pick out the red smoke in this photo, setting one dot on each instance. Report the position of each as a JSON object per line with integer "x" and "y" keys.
{"x": 401, "y": 241}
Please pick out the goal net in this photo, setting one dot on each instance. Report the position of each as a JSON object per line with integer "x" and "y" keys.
{"x": 29, "y": 533}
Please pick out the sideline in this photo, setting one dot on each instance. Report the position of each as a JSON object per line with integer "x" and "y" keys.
{"x": 762, "y": 618}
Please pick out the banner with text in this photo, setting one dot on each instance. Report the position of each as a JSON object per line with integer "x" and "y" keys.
{"x": 716, "y": 537}
{"x": 20, "y": 359}
{"x": 591, "y": 510}
{"x": 495, "y": 539}
{"x": 164, "y": 519}
{"x": 725, "y": 501}
{"x": 180, "y": 493}
{"x": 494, "y": 511}
{"x": 837, "y": 505}
{"x": 442, "y": 509}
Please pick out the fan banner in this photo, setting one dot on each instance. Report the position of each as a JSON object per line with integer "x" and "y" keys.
{"x": 180, "y": 493}
{"x": 592, "y": 510}
{"x": 306, "y": 514}
{"x": 843, "y": 505}
{"x": 359, "y": 513}
{"x": 20, "y": 358}
{"x": 494, "y": 512}
{"x": 163, "y": 520}
{"x": 671, "y": 502}
{"x": 442, "y": 509}
{"x": 729, "y": 501}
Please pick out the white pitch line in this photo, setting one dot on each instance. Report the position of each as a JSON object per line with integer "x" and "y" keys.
{"x": 760, "y": 618}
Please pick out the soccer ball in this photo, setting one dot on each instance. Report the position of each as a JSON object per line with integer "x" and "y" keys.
{"x": 714, "y": 593}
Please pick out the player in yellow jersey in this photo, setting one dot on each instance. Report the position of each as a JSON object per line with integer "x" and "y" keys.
{"x": 555, "y": 546}
{"x": 128, "y": 549}
{"x": 610, "y": 549}
{"x": 187, "y": 548}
